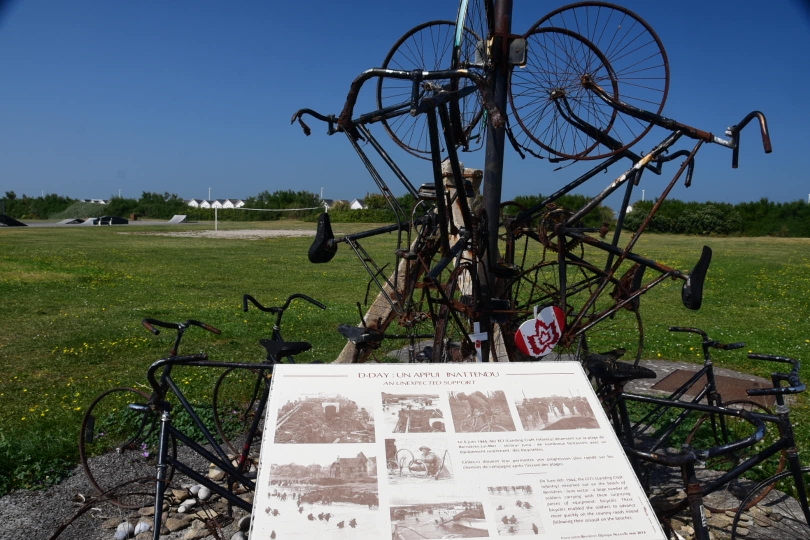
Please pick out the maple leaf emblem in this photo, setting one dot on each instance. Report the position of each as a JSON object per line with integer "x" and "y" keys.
{"x": 545, "y": 335}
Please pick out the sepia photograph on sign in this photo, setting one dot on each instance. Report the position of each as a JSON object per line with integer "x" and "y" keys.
{"x": 412, "y": 413}
{"x": 417, "y": 460}
{"x": 313, "y": 491}
{"x": 438, "y": 516}
{"x": 543, "y": 411}
{"x": 480, "y": 411}
{"x": 516, "y": 510}
{"x": 324, "y": 419}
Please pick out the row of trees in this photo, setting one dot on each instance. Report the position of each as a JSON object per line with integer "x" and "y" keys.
{"x": 760, "y": 218}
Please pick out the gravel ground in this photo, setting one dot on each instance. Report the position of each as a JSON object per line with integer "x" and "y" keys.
{"x": 36, "y": 515}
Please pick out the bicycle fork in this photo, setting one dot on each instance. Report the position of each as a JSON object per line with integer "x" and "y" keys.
{"x": 162, "y": 468}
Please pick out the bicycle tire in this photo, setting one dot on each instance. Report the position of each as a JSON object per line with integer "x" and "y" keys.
{"x": 427, "y": 47}
{"x": 473, "y": 32}
{"x": 118, "y": 448}
{"x": 778, "y": 500}
{"x": 539, "y": 286}
{"x": 236, "y": 400}
{"x": 560, "y": 65}
{"x": 635, "y": 54}
{"x": 703, "y": 435}
{"x": 456, "y": 315}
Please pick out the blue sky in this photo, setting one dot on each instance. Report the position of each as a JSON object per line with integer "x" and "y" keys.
{"x": 99, "y": 96}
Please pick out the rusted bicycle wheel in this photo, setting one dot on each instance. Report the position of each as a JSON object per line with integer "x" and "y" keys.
{"x": 598, "y": 327}
{"x": 635, "y": 54}
{"x": 427, "y": 47}
{"x": 550, "y": 98}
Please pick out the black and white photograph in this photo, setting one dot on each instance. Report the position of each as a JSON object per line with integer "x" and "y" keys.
{"x": 312, "y": 492}
{"x": 480, "y": 411}
{"x": 554, "y": 411}
{"x": 417, "y": 460}
{"x": 412, "y": 413}
{"x": 438, "y": 516}
{"x": 515, "y": 510}
{"x": 324, "y": 419}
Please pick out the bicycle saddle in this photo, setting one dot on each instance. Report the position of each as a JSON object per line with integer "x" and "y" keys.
{"x": 284, "y": 348}
{"x": 323, "y": 248}
{"x": 692, "y": 291}
{"x": 610, "y": 370}
{"x": 358, "y": 334}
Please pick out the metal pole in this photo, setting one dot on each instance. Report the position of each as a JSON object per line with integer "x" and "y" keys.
{"x": 496, "y": 137}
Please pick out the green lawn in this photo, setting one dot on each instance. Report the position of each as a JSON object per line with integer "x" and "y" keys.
{"x": 73, "y": 299}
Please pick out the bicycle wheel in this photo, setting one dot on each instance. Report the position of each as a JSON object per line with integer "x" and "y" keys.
{"x": 550, "y": 99}
{"x": 427, "y": 47}
{"x": 456, "y": 316}
{"x": 473, "y": 29}
{"x": 118, "y": 448}
{"x": 777, "y": 514}
{"x": 635, "y": 54}
{"x": 598, "y": 328}
{"x": 707, "y": 433}
{"x": 237, "y": 396}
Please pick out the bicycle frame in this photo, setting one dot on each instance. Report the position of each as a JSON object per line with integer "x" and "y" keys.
{"x": 218, "y": 456}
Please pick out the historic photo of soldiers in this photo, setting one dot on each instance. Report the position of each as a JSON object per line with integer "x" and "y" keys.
{"x": 480, "y": 411}
{"x": 417, "y": 460}
{"x": 441, "y": 517}
{"x": 324, "y": 418}
{"x": 412, "y": 413}
{"x": 314, "y": 493}
{"x": 555, "y": 411}
{"x": 515, "y": 509}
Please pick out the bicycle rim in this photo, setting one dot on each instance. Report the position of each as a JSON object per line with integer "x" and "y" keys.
{"x": 118, "y": 447}
{"x": 635, "y": 54}
{"x": 456, "y": 317}
{"x": 237, "y": 396}
{"x": 601, "y": 327}
{"x": 777, "y": 515}
{"x": 707, "y": 433}
{"x": 551, "y": 92}
{"x": 427, "y": 47}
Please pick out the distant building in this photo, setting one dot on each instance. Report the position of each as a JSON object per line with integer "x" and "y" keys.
{"x": 218, "y": 203}
{"x": 358, "y": 204}
{"x": 328, "y": 204}
{"x": 95, "y": 201}
{"x": 352, "y": 468}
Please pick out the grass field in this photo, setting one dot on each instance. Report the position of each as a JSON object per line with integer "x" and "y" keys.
{"x": 72, "y": 300}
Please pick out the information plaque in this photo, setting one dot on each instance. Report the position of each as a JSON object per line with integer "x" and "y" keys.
{"x": 431, "y": 451}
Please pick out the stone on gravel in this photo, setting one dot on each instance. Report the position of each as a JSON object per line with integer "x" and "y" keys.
{"x": 177, "y": 523}
{"x": 124, "y": 531}
{"x": 142, "y": 526}
{"x": 244, "y": 524}
{"x": 239, "y": 535}
{"x": 204, "y": 493}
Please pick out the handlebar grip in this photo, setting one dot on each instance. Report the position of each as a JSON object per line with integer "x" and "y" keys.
{"x": 731, "y": 346}
{"x": 211, "y": 328}
{"x": 676, "y": 460}
{"x": 147, "y": 324}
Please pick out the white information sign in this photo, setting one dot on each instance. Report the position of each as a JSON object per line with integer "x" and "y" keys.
{"x": 416, "y": 451}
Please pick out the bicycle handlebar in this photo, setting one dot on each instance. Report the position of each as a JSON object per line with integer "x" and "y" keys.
{"x": 706, "y": 341}
{"x": 150, "y": 324}
{"x": 150, "y": 373}
{"x": 689, "y": 131}
{"x": 795, "y": 385}
{"x": 734, "y": 133}
{"x": 248, "y": 298}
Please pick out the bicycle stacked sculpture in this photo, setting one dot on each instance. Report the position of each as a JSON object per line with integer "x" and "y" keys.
{"x": 586, "y": 82}
{"x": 479, "y": 279}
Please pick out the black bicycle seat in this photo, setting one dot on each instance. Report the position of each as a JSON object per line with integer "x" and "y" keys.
{"x": 323, "y": 248}
{"x": 358, "y": 334}
{"x": 613, "y": 371}
{"x": 284, "y": 348}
